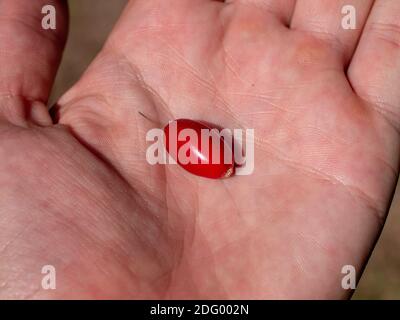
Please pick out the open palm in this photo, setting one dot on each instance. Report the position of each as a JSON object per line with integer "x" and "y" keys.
{"x": 77, "y": 192}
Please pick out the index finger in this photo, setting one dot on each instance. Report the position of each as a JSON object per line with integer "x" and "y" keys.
{"x": 30, "y": 54}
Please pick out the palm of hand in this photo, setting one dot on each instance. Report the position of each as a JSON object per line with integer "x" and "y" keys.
{"x": 114, "y": 226}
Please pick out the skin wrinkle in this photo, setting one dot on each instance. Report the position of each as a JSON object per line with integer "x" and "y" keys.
{"x": 120, "y": 258}
{"x": 316, "y": 244}
{"x": 31, "y": 295}
{"x": 264, "y": 141}
{"x": 229, "y": 193}
{"x": 170, "y": 190}
{"x": 20, "y": 276}
{"x": 370, "y": 199}
{"x": 16, "y": 237}
{"x": 266, "y": 95}
{"x": 195, "y": 225}
{"x": 53, "y": 37}
{"x": 211, "y": 87}
{"x": 227, "y": 108}
{"x": 226, "y": 55}
{"x": 161, "y": 28}
{"x": 209, "y": 257}
{"x": 102, "y": 204}
{"x": 270, "y": 103}
{"x": 311, "y": 239}
{"x": 121, "y": 251}
{"x": 301, "y": 235}
{"x": 333, "y": 42}
{"x": 348, "y": 144}
{"x": 332, "y": 138}
{"x": 223, "y": 289}
{"x": 383, "y": 112}
{"x": 379, "y": 107}
{"x": 229, "y": 243}
{"x": 158, "y": 101}
{"x": 300, "y": 262}
{"x": 320, "y": 64}
{"x": 273, "y": 293}
{"x": 90, "y": 148}
{"x": 218, "y": 96}
{"x": 230, "y": 65}
{"x": 353, "y": 190}
{"x": 266, "y": 7}
{"x": 387, "y": 32}
{"x": 143, "y": 225}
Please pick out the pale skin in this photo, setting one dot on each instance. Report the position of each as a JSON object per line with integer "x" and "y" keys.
{"x": 77, "y": 192}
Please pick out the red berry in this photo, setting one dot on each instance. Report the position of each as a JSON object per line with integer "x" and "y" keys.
{"x": 200, "y": 150}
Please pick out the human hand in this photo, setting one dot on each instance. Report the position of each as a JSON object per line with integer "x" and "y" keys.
{"x": 79, "y": 194}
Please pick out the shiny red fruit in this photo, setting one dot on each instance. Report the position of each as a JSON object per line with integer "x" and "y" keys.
{"x": 199, "y": 149}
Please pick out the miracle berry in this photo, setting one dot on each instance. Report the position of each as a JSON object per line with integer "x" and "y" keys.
{"x": 192, "y": 145}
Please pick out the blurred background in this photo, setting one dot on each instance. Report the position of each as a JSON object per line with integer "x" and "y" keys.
{"x": 90, "y": 23}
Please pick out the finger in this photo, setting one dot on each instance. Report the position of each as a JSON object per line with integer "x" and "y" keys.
{"x": 30, "y": 54}
{"x": 323, "y": 19}
{"x": 375, "y": 68}
{"x": 281, "y": 9}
